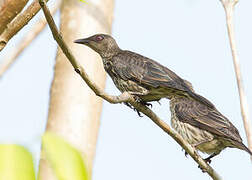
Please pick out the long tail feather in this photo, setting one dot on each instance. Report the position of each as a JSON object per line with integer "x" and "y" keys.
{"x": 241, "y": 146}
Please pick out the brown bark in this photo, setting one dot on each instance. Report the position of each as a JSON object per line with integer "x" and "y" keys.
{"x": 74, "y": 111}
{"x": 8, "y": 11}
{"x": 18, "y": 23}
{"x": 15, "y": 52}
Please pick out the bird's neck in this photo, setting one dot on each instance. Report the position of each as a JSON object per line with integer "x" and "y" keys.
{"x": 110, "y": 53}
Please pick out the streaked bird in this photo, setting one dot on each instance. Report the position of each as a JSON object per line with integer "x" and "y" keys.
{"x": 204, "y": 128}
{"x": 140, "y": 76}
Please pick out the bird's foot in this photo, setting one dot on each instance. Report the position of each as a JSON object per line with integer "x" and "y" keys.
{"x": 202, "y": 169}
{"x": 139, "y": 114}
{"x": 146, "y": 104}
{"x": 186, "y": 154}
{"x": 208, "y": 160}
{"x": 131, "y": 107}
{"x": 139, "y": 100}
{"x": 128, "y": 104}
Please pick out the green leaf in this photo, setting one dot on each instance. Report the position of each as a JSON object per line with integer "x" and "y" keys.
{"x": 15, "y": 163}
{"x": 83, "y": 1}
{"x": 65, "y": 160}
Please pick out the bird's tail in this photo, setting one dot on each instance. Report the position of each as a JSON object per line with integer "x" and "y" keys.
{"x": 241, "y": 146}
{"x": 247, "y": 149}
{"x": 201, "y": 99}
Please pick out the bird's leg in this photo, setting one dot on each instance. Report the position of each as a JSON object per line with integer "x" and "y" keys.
{"x": 186, "y": 153}
{"x": 138, "y": 99}
{"x": 139, "y": 114}
{"x": 127, "y": 104}
{"x": 208, "y": 159}
{"x": 146, "y": 104}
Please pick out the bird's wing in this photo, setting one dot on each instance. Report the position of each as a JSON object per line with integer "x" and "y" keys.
{"x": 132, "y": 66}
{"x": 211, "y": 120}
{"x": 148, "y": 73}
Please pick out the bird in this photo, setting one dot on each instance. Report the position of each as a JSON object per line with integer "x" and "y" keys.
{"x": 206, "y": 129}
{"x": 140, "y": 76}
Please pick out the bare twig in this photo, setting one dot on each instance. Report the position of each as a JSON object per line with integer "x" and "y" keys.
{"x": 229, "y": 10}
{"x": 18, "y": 23}
{"x": 8, "y": 11}
{"x": 125, "y": 97}
{"x": 11, "y": 57}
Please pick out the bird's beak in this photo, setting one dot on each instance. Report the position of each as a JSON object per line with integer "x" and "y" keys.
{"x": 82, "y": 41}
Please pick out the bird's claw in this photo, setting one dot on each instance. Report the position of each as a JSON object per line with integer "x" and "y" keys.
{"x": 131, "y": 107}
{"x": 138, "y": 100}
{"x": 186, "y": 154}
{"x": 202, "y": 169}
{"x": 139, "y": 114}
{"x": 146, "y": 104}
{"x": 127, "y": 104}
{"x": 208, "y": 161}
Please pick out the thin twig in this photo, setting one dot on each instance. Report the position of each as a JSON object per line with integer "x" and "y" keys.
{"x": 35, "y": 30}
{"x": 18, "y": 23}
{"x": 229, "y": 10}
{"x": 125, "y": 97}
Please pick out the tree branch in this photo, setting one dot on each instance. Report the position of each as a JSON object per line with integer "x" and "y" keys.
{"x": 18, "y": 23}
{"x": 35, "y": 30}
{"x": 8, "y": 11}
{"x": 229, "y": 10}
{"x": 125, "y": 97}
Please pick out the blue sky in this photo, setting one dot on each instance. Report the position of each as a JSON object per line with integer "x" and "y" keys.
{"x": 187, "y": 36}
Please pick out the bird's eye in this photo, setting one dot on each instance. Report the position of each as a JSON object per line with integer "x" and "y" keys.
{"x": 99, "y": 38}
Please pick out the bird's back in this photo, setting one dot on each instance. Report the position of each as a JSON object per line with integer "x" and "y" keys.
{"x": 152, "y": 75}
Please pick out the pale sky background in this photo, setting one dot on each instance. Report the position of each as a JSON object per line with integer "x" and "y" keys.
{"x": 187, "y": 36}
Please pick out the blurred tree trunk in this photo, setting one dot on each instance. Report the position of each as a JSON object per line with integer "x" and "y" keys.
{"x": 74, "y": 110}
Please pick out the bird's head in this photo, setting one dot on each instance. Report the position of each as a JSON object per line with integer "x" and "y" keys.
{"x": 103, "y": 44}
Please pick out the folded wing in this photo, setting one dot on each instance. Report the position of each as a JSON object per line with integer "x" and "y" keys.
{"x": 211, "y": 120}
{"x": 148, "y": 73}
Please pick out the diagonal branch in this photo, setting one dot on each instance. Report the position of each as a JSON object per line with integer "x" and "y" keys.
{"x": 18, "y": 23}
{"x": 125, "y": 97}
{"x": 35, "y": 30}
{"x": 8, "y": 11}
{"x": 229, "y": 10}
